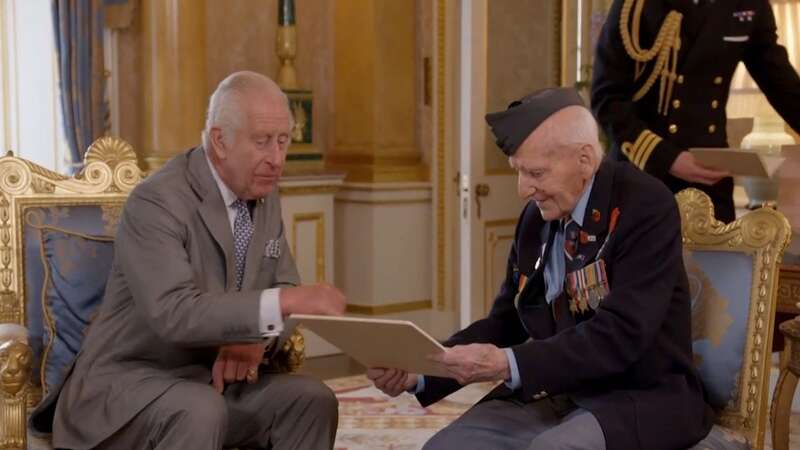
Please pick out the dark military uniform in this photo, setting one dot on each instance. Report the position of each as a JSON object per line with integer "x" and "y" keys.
{"x": 629, "y": 362}
{"x": 714, "y": 37}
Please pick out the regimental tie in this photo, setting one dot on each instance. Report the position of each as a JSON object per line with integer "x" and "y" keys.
{"x": 571, "y": 232}
{"x": 242, "y": 233}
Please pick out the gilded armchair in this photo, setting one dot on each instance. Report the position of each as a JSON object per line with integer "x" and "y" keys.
{"x": 733, "y": 276}
{"x": 35, "y": 203}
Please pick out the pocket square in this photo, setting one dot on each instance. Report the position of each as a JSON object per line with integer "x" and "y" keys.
{"x": 273, "y": 249}
{"x": 744, "y": 38}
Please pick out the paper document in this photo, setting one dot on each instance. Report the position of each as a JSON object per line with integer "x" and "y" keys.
{"x": 739, "y": 162}
{"x": 394, "y": 344}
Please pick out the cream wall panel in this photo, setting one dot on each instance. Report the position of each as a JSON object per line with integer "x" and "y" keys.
{"x": 498, "y": 236}
{"x": 308, "y": 219}
{"x": 384, "y": 256}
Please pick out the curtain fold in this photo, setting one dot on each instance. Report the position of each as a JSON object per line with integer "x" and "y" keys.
{"x": 79, "y": 45}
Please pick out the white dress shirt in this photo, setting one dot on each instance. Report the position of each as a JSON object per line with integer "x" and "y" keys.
{"x": 270, "y": 320}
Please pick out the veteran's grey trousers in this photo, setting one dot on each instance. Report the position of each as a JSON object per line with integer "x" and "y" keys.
{"x": 508, "y": 424}
{"x": 280, "y": 411}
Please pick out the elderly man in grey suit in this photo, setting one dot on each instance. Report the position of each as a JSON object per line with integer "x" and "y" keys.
{"x": 201, "y": 281}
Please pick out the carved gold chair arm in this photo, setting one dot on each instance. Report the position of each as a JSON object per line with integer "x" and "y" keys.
{"x": 787, "y": 383}
{"x": 15, "y": 370}
{"x": 291, "y": 356}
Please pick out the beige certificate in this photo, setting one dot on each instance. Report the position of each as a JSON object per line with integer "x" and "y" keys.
{"x": 397, "y": 344}
{"x": 740, "y": 162}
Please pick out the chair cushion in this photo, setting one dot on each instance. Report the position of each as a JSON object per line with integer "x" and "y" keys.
{"x": 91, "y": 219}
{"x": 720, "y": 438}
{"x": 76, "y": 269}
{"x": 720, "y": 283}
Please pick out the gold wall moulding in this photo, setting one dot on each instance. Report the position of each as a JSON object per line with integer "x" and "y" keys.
{"x": 398, "y": 201}
{"x": 358, "y": 173}
{"x": 389, "y": 308}
{"x": 307, "y": 190}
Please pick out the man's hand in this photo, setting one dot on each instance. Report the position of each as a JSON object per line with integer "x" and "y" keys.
{"x": 475, "y": 362}
{"x": 321, "y": 298}
{"x": 236, "y": 363}
{"x": 392, "y": 382}
{"x": 687, "y": 168}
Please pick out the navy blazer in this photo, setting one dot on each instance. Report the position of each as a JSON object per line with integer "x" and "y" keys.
{"x": 630, "y": 361}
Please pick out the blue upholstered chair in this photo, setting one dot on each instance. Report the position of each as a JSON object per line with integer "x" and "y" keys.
{"x": 733, "y": 277}
{"x": 56, "y": 246}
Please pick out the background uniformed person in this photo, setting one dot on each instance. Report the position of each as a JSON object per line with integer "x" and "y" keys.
{"x": 662, "y": 73}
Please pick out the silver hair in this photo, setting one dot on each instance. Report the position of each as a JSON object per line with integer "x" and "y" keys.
{"x": 225, "y": 105}
{"x": 582, "y": 130}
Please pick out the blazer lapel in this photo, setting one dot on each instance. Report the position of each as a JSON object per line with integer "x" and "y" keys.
{"x": 212, "y": 210}
{"x": 595, "y": 220}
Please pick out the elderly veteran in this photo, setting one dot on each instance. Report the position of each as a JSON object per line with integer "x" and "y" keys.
{"x": 590, "y": 332}
{"x": 201, "y": 280}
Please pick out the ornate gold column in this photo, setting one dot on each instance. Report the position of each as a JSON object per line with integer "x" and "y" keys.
{"x": 175, "y": 92}
{"x": 374, "y": 92}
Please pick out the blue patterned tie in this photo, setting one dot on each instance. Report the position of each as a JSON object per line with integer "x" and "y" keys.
{"x": 242, "y": 232}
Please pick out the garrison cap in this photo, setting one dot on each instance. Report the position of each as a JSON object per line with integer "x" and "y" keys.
{"x": 512, "y": 126}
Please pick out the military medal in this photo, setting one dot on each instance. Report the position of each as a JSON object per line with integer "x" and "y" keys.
{"x": 587, "y": 287}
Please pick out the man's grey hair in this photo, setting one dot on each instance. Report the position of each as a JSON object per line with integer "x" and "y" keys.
{"x": 225, "y": 105}
{"x": 574, "y": 127}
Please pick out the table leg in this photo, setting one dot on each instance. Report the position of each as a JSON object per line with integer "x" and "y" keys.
{"x": 782, "y": 409}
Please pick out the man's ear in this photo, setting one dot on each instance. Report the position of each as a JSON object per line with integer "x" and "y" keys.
{"x": 217, "y": 143}
{"x": 586, "y": 157}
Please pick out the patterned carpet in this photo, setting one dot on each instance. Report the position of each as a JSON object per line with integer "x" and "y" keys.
{"x": 370, "y": 420}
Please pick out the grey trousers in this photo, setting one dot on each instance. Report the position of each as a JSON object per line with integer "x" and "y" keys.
{"x": 280, "y": 411}
{"x": 512, "y": 425}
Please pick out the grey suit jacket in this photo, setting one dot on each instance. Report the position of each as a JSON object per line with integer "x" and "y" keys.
{"x": 170, "y": 300}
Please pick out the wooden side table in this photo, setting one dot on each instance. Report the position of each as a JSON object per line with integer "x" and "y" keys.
{"x": 789, "y": 289}
{"x": 787, "y": 383}
{"x": 787, "y": 303}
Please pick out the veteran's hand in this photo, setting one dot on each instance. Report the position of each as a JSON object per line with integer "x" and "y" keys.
{"x": 320, "y": 298}
{"x": 475, "y": 362}
{"x": 392, "y": 382}
{"x": 687, "y": 168}
{"x": 237, "y": 363}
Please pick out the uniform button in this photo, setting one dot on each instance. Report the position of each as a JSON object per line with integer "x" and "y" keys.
{"x": 270, "y": 327}
{"x": 676, "y": 104}
{"x": 673, "y": 129}
{"x": 718, "y": 80}
{"x": 680, "y": 79}
{"x": 714, "y": 104}
{"x": 712, "y": 129}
